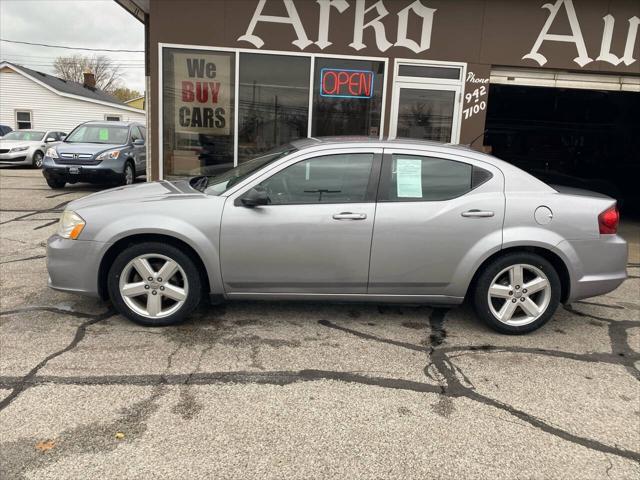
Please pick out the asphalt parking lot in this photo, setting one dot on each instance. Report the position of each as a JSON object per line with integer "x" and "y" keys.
{"x": 302, "y": 390}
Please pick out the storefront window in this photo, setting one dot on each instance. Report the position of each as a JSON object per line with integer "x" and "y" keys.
{"x": 347, "y": 97}
{"x": 274, "y": 102}
{"x": 198, "y": 111}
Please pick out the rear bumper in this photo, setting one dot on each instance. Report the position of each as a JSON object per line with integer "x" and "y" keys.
{"x": 599, "y": 265}
{"x": 73, "y": 264}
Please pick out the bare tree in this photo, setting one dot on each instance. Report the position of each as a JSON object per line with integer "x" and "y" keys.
{"x": 108, "y": 74}
{"x": 124, "y": 93}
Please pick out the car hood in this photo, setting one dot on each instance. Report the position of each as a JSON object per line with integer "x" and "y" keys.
{"x": 140, "y": 193}
{"x": 91, "y": 148}
{"x": 19, "y": 143}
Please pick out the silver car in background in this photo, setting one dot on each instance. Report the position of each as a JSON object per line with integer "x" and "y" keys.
{"x": 27, "y": 147}
{"x": 344, "y": 219}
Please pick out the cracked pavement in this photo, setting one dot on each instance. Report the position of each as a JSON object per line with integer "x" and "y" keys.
{"x": 303, "y": 390}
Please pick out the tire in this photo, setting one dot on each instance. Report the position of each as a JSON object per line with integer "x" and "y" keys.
{"x": 513, "y": 302}
{"x": 55, "y": 183}
{"x": 129, "y": 174}
{"x": 36, "y": 160}
{"x": 142, "y": 307}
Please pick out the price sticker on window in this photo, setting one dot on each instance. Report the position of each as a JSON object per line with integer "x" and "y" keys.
{"x": 104, "y": 134}
{"x": 409, "y": 178}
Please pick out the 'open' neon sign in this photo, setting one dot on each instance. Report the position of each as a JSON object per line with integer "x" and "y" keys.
{"x": 339, "y": 82}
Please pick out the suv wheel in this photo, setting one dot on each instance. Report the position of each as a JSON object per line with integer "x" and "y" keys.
{"x": 36, "y": 161}
{"x": 154, "y": 284}
{"x": 55, "y": 183}
{"x": 517, "y": 293}
{"x": 129, "y": 175}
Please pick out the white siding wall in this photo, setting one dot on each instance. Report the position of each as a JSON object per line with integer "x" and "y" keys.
{"x": 49, "y": 110}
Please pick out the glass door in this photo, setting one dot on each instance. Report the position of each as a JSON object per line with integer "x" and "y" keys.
{"x": 425, "y": 111}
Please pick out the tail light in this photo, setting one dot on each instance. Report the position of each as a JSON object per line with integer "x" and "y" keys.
{"x": 608, "y": 220}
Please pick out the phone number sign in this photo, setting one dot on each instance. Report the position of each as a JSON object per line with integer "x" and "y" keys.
{"x": 343, "y": 83}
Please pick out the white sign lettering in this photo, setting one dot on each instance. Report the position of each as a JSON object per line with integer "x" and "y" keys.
{"x": 292, "y": 19}
{"x": 302, "y": 41}
{"x": 475, "y": 101}
{"x": 607, "y": 35}
{"x": 576, "y": 35}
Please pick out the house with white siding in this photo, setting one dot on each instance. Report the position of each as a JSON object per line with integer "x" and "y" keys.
{"x": 36, "y": 100}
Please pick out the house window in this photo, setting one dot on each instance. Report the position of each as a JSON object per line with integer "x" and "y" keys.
{"x": 113, "y": 118}
{"x": 23, "y": 119}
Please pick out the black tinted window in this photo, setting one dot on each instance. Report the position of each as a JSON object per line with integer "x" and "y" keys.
{"x": 326, "y": 179}
{"x": 415, "y": 178}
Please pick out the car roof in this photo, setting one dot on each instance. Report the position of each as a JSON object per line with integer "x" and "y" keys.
{"x": 112, "y": 123}
{"x": 310, "y": 142}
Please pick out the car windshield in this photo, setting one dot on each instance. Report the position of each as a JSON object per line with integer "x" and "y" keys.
{"x": 218, "y": 184}
{"x": 29, "y": 136}
{"x": 98, "y": 134}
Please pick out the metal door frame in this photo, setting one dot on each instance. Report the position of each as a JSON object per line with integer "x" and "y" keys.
{"x": 423, "y": 83}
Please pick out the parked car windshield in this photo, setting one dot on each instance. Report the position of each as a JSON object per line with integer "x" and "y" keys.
{"x": 31, "y": 136}
{"x": 218, "y": 184}
{"x": 98, "y": 134}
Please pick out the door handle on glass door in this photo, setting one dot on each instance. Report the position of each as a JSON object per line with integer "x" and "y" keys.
{"x": 478, "y": 213}
{"x": 349, "y": 216}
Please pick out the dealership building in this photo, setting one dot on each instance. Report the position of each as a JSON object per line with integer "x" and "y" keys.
{"x": 552, "y": 86}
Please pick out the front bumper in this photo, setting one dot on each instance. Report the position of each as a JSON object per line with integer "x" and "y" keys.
{"x": 16, "y": 158}
{"x": 73, "y": 264}
{"x": 104, "y": 172}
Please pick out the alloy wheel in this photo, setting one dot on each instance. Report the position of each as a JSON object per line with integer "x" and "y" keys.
{"x": 519, "y": 294}
{"x": 37, "y": 160}
{"x": 154, "y": 286}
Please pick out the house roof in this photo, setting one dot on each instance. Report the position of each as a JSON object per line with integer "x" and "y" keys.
{"x": 67, "y": 86}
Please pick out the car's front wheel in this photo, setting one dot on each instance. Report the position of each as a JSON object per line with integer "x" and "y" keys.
{"x": 36, "y": 161}
{"x": 154, "y": 284}
{"x": 56, "y": 183}
{"x": 129, "y": 174}
{"x": 517, "y": 293}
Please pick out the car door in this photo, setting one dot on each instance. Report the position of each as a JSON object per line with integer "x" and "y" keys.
{"x": 138, "y": 151}
{"x": 438, "y": 216}
{"x": 315, "y": 235}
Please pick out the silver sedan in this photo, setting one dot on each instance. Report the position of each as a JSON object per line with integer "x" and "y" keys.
{"x": 345, "y": 220}
{"x": 27, "y": 147}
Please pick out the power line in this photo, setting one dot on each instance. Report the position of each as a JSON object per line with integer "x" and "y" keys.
{"x": 72, "y": 48}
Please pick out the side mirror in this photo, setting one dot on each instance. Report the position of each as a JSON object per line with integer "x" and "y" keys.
{"x": 254, "y": 197}
{"x": 138, "y": 142}
{"x": 50, "y": 139}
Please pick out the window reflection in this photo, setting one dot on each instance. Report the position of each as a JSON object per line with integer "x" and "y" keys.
{"x": 344, "y": 111}
{"x": 274, "y": 102}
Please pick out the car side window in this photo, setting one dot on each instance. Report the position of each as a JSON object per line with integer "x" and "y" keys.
{"x": 135, "y": 133}
{"x": 143, "y": 131}
{"x": 342, "y": 178}
{"x": 411, "y": 178}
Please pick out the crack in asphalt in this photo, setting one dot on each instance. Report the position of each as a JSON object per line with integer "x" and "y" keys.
{"x": 35, "y": 257}
{"x": 24, "y": 381}
{"x": 31, "y": 213}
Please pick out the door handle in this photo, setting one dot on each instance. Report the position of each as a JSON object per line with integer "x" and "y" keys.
{"x": 477, "y": 213}
{"x": 349, "y": 216}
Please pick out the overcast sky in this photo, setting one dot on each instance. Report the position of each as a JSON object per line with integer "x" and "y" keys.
{"x": 77, "y": 23}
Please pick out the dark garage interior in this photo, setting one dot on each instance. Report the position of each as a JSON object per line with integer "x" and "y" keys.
{"x": 579, "y": 138}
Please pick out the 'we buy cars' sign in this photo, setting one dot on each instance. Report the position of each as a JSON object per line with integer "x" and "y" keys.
{"x": 203, "y": 93}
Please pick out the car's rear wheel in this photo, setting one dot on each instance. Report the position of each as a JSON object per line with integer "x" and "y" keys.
{"x": 154, "y": 284}
{"x": 517, "y": 293}
{"x": 56, "y": 183}
{"x": 36, "y": 160}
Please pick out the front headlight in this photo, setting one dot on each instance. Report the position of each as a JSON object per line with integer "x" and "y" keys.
{"x": 109, "y": 154}
{"x": 19, "y": 149}
{"x": 51, "y": 153}
{"x": 71, "y": 224}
